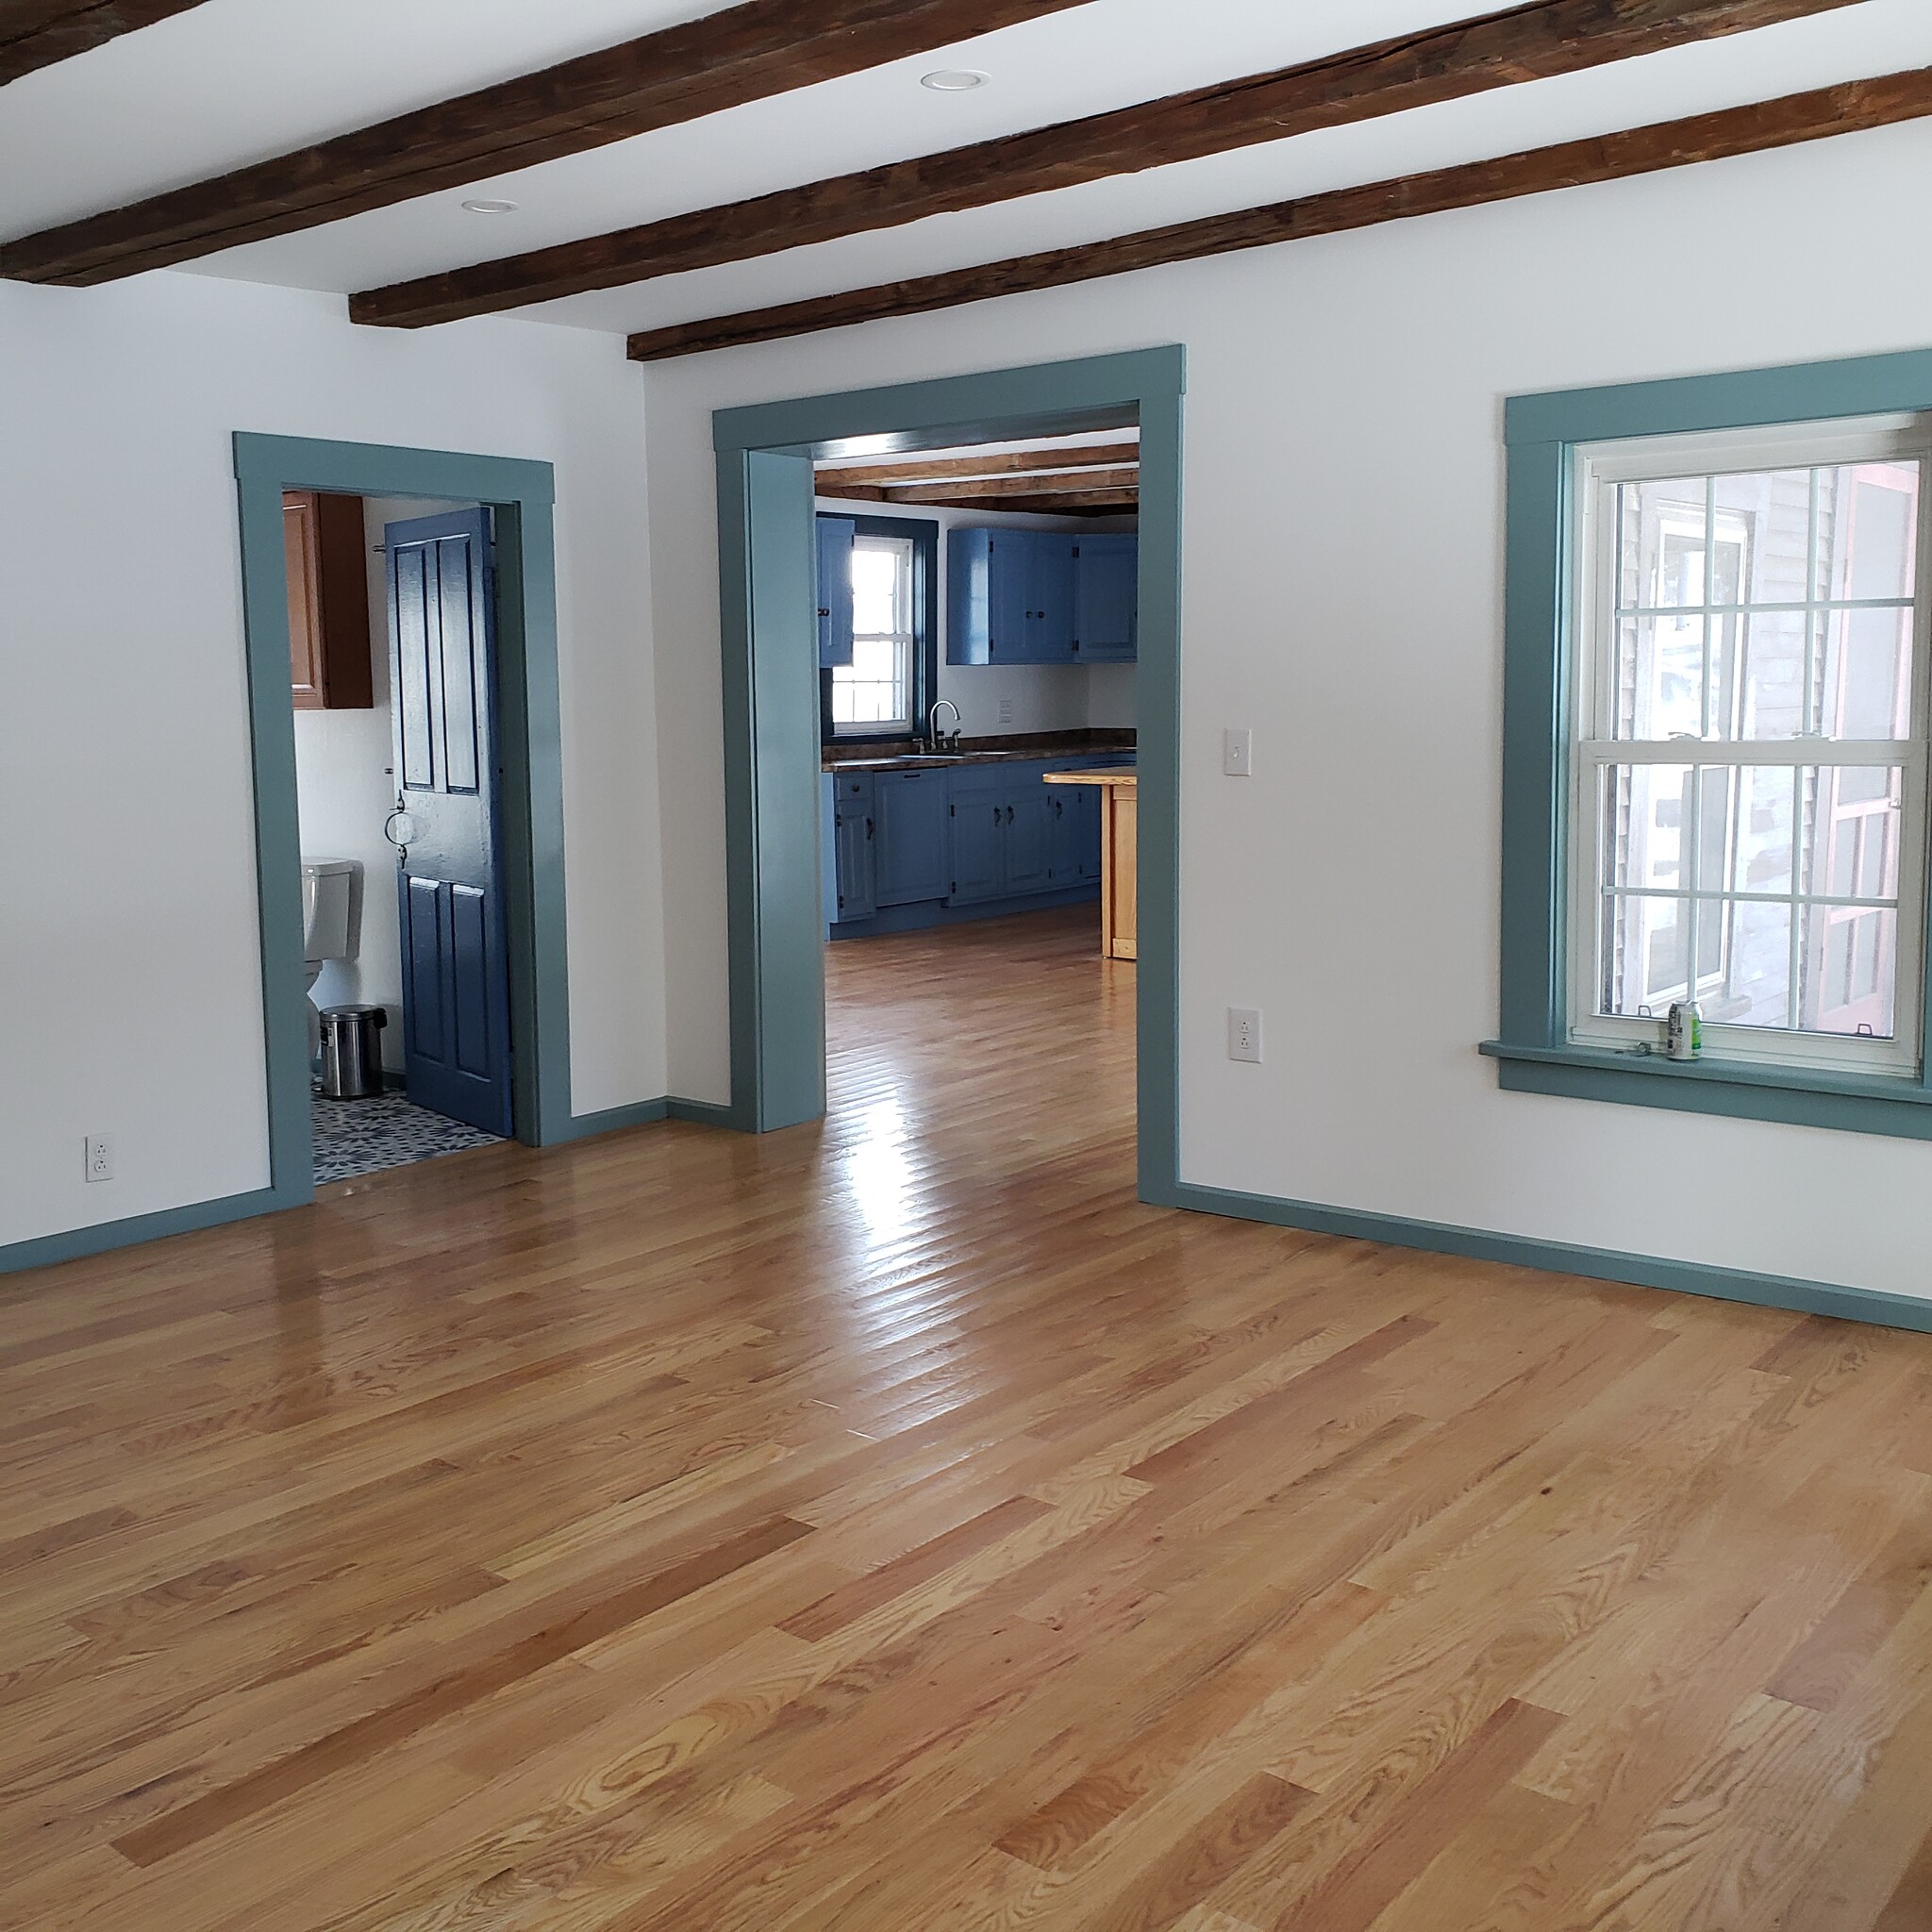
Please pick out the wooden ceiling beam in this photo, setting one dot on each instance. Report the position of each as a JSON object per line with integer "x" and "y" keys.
{"x": 1851, "y": 109}
{"x": 991, "y": 489}
{"x": 38, "y": 33}
{"x": 1526, "y": 42}
{"x": 1070, "y": 503}
{"x": 745, "y": 53}
{"x": 1003, "y": 463}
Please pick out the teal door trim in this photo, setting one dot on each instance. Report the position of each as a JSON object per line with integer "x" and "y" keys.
{"x": 521, "y": 494}
{"x": 770, "y": 710}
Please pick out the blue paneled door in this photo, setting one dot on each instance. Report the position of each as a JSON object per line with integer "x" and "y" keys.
{"x": 448, "y": 831}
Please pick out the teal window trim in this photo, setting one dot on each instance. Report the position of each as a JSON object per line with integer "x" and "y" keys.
{"x": 1533, "y": 1051}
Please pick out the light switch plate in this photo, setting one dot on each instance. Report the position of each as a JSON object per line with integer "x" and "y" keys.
{"x": 1238, "y": 753}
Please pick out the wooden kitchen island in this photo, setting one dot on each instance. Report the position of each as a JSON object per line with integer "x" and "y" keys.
{"x": 1118, "y": 855}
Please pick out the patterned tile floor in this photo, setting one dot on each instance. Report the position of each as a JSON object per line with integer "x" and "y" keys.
{"x": 355, "y": 1136}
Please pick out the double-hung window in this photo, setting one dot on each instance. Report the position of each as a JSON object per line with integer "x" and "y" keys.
{"x": 877, "y": 695}
{"x": 1747, "y": 770}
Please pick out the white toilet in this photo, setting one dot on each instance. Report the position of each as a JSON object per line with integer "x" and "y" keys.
{"x": 328, "y": 905}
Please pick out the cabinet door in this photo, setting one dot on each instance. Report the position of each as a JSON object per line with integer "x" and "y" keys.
{"x": 1051, "y": 588}
{"x": 330, "y": 668}
{"x": 975, "y": 822}
{"x": 1076, "y": 812}
{"x": 969, "y": 592}
{"x": 909, "y": 848}
{"x": 1107, "y": 598}
{"x": 1009, "y": 631}
{"x": 1091, "y": 803}
{"x": 853, "y": 834}
{"x": 835, "y": 534}
{"x": 1028, "y": 836}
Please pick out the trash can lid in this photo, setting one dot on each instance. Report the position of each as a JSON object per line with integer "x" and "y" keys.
{"x": 379, "y": 1013}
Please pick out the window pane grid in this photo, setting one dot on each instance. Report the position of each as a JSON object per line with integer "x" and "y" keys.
{"x": 874, "y": 693}
{"x": 1760, "y": 751}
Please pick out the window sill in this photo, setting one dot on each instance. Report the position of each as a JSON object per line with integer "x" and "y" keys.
{"x": 1797, "y": 1096}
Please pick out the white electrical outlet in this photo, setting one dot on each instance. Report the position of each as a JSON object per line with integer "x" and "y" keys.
{"x": 100, "y": 1158}
{"x": 1005, "y": 711}
{"x": 1238, "y": 753}
{"x": 1245, "y": 1034}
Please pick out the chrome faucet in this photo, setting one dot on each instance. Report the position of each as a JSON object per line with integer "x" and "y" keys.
{"x": 934, "y": 736}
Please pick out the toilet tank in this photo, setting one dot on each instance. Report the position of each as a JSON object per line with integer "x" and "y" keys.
{"x": 326, "y": 887}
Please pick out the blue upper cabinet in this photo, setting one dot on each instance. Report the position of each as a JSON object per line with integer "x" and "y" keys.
{"x": 1107, "y": 597}
{"x": 1010, "y": 596}
{"x": 835, "y": 591}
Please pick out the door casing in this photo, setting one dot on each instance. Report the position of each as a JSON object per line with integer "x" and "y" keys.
{"x": 768, "y": 638}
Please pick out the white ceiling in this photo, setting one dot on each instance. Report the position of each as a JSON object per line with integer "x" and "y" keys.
{"x": 234, "y": 81}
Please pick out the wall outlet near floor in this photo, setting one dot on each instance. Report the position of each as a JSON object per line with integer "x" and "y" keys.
{"x": 100, "y": 1158}
{"x": 1245, "y": 1034}
{"x": 1238, "y": 753}
{"x": 1005, "y": 711}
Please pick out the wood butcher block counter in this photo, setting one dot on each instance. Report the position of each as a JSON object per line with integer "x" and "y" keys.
{"x": 1118, "y": 855}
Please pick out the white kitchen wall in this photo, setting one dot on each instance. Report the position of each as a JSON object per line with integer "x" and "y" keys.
{"x": 344, "y": 791}
{"x": 1035, "y": 697}
{"x": 1342, "y": 595}
{"x": 128, "y": 946}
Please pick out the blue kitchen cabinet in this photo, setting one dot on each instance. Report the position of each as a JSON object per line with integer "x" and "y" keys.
{"x": 1010, "y": 596}
{"x": 1107, "y": 597}
{"x": 911, "y": 819}
{"x": 1075, "y": 833}
{"x": 976, "y": 843}
{"x": 835, "y": 538}
{"x": 1027, "y": 855}
{"x": 852, "y": 829}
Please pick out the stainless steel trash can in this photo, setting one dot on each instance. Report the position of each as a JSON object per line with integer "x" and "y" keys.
{"x": 352, "y": 1052}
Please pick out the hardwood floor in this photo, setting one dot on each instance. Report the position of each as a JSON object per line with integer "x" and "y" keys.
{"x": 896, "y": 1525}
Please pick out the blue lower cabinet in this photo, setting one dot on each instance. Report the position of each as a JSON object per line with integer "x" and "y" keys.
{"x": 968, "y": 836}
{"x": 976, "y": 827}
{"x": 1074, "y": 847}
{"x": 853, "y": 839}
{"x": 1029, "y": 838}
{"x": 910, "y": 847}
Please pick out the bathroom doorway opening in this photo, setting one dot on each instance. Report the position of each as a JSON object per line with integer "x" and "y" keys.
{"x": 401, "y": 622}
{"x": 393, "y": 682}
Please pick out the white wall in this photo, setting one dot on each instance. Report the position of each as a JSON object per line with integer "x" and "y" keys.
{"x": 1342, "y": 591}
{"x": 129, "y": 942}
{"x": 345, "y": 789}
{"x": 1004, "y": 700}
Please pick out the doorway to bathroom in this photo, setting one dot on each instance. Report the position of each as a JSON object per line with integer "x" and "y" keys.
{"x": 401, "y": 621}
{"x": 392, "y": 674}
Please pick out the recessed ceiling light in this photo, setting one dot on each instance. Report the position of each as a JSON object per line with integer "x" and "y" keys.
{"x": 955, "y": 80}
{"x": 491, "y": 207}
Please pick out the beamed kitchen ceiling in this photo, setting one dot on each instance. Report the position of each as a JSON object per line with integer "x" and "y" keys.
{"x": 735, "y": 168}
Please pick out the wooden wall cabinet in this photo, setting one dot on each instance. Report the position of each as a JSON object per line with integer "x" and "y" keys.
{"x": 329, "y": 666}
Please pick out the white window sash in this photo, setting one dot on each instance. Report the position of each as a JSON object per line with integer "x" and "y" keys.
{"x": 1599, "y": 470}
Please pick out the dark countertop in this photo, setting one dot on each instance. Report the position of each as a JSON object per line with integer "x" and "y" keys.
{"x": 1027, "y": 746}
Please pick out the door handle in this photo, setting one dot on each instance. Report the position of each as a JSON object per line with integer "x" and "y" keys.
{"x": 1009, "y": 815}
{"x": 399, "y": 828}
{"x": 867, "y": 828}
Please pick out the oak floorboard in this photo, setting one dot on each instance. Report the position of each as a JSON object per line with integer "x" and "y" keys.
{"x": 894, "y": 1523}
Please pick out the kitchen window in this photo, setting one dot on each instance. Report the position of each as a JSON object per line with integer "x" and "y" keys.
{"x": 1749, "y": 750}
{"x": 877, "y": 695}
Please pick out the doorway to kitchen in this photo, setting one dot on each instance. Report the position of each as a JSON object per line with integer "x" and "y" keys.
{"x": 783, "y": 711}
